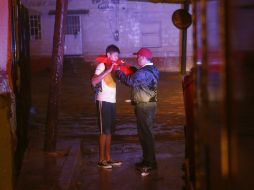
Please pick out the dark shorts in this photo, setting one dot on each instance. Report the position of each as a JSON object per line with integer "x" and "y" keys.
{"x": 106, "y": 116}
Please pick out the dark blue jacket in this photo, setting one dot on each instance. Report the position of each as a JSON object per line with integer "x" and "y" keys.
{"x": 143, "y": 82}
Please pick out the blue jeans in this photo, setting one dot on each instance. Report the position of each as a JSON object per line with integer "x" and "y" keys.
{"x": 145, "y": 114}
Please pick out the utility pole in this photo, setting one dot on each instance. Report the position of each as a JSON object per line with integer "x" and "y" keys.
{"x": 56, "y": 76}
{"x": 184, "y": 43}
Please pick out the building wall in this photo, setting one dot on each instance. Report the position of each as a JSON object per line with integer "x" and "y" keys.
{"x": 44, "y": 46}
{"x": 134, "y": 19}
{"x": 4, "y": 34}
{"x": 139, "y": 24}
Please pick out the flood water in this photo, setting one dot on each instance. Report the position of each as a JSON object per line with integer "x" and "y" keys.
{"x": 78, "y": 122}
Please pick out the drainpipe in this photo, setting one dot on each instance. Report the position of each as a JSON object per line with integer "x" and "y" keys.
{"x": 56, "y": 76}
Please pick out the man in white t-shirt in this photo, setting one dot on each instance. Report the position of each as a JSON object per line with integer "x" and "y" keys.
{"x": 106, "y": 106}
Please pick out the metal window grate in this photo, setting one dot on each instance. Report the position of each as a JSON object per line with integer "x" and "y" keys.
{"x": 35, "y": 27}
{"x": 72, "y": 25}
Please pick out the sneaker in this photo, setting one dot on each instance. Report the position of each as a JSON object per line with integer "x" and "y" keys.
{"x": 114, "y": 163}
{"x": 145, "y": 167}
{"x": 104, "y": 164}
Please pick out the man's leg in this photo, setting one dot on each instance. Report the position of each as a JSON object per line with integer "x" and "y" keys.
{"x": 108, "y": 122}
{"x": 103, "y": 137}
{"x": 102, "y": 144}
{"x": 145, "y": 113}
{"x": 102, "y": 150}
{"x": 139, "y": 117}
{"x": 108, "y": 143}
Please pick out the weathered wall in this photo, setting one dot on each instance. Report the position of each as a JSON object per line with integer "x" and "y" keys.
{"x": 44, "y": 46}
{"x": 139, "y": 24}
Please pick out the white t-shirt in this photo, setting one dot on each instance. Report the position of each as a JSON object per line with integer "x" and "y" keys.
{"x": 108, "y": 93}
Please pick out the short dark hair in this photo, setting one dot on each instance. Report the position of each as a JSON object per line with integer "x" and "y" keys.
{"x": 112, "y": 48}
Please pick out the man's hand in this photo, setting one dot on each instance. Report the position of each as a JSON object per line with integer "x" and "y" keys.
{"x": 97, "y": 78}
{"x": 112, "y": 66}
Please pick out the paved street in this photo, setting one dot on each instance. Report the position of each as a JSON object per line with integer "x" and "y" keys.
{"x": 78, "y": 133}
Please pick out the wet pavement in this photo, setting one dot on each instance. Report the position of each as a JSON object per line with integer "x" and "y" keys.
{"x": 78, "y": 135}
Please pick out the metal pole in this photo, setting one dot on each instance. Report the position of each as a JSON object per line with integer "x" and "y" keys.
{"x": 56, "y": 76}
{"x": 184, "y": 43}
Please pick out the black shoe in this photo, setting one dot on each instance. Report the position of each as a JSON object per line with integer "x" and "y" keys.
{"x": 142, "y": 164}
{"x": 146, "y": 167}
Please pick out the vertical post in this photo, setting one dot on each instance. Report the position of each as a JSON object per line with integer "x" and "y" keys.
{"x": 6, "y": 144}
{"x": 7, "y": 128}
{"x": 184, "y": 43}
{"x": 56, "y": 76}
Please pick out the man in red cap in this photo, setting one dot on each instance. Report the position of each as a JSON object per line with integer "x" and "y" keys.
{"x": 144, "y": 52}
{"x": 144, "y": 84}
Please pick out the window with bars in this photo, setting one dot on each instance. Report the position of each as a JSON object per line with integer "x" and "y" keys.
{"x": 35, "y": 27}
{"x": 72, "y": 25}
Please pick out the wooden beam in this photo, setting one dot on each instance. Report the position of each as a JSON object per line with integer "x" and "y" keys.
{"x": 71, "y": 12}
{"x": 163, "y": 1}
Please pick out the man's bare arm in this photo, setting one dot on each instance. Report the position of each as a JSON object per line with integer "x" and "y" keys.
{"x": 97, "y": 78}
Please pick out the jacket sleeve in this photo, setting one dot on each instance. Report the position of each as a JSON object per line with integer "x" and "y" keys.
{"x": 132, "y": 80}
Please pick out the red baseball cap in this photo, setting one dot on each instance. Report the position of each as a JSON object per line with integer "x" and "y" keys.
{"x": 144, "y": 52}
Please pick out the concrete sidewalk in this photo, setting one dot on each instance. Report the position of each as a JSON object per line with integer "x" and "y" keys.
{"x": 44, "y": 171}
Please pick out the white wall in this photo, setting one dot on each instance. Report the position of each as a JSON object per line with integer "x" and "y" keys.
{"x": 134, "y": 18}
{"x": 44, "y": 46}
